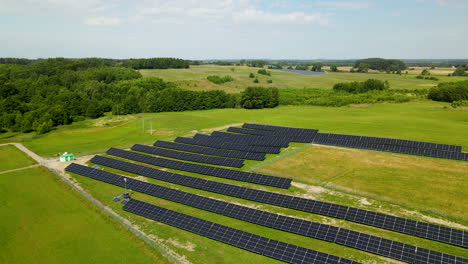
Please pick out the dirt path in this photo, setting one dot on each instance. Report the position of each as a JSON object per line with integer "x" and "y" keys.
{"x": 28, "y": 167}
{"x": 31, "y": 154}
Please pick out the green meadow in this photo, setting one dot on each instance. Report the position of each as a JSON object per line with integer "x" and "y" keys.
{"x": 13, "y": 158}
{"x": 194, "y": 78}
{"x": 44, "y": 221}
{"x": 422, "y": 120}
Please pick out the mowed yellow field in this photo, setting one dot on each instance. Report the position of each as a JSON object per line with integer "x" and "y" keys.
{"x": 430, "y": 185}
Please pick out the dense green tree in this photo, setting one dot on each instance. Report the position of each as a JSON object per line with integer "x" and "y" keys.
{"x": 264, "y": 72}
{"x": 362, "y": 87}
{"x": 449, "y": 92}
{"x": 219, "y": 79}
{"x": 425, "y": 72}
{"x": 302, "y": 67}
{"x": 317, "y": 66}
{"x": 363, "y": 67}
{"x": 45, "y": 127}
{"x": 259, "y": 97}
{"x": 380, "y": 64}
{"x": 333, "y": 68}
{"x": 460, "y": 71}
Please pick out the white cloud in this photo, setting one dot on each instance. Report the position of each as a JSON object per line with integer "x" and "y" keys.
{"x": 164, "y": 12}
{"x": 253, "y": 15}
{"x": 223, "y": 11}
{"x": 347, "y": 4}
{"x": 448, "y": 3}
{"x": 102, "y": 21}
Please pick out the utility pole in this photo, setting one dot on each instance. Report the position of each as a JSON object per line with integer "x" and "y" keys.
{"x": 151, "y": 125}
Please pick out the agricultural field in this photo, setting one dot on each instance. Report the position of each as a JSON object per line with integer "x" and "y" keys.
{"x": 194, "y": 78}
{"x": 45, "y": 221}
{"x": 13, "y": 158}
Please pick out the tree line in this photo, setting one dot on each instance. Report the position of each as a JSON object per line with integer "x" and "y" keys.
{"x": 380, "y": 64}
{"x": 46, "y": 93}
{"x": 362, "y": 87}
{"x": 143, "y": 63}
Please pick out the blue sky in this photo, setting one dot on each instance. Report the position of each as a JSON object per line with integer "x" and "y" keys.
{"x": 230, "y": 29}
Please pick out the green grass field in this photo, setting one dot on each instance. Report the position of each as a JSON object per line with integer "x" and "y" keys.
{"x": 13, "y": 158}
{"x": 398, "y": 179}
{"x": 425, "y": 121}
{"x": 194, "y": 78}
{"x": 201, "y": 246}
{"x": 53, "y": 224}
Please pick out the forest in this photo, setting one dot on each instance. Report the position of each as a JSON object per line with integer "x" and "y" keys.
{"x": 379, "y": 64}
{"x": 42, "y": 94}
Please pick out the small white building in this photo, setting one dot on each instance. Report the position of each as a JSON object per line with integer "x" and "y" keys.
{"x": 67, "y": 157}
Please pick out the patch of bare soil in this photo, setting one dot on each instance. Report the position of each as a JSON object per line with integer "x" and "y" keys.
{"x": 436, "y": 220}
{"x": 188, "y": 246}
{"x": 28, "y": 167}
{"x": 312, "y": 191}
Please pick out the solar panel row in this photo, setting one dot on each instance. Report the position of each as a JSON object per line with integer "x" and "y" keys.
{"x": 211, "y": 151}
{"x": 391, "y": 141}
{"x": 280, "y": 128}
{"x": 362, "y": 241}
{"x": 261, "y": 245}
{"x": 389, "y": 222}
{"x": 189, "y": 156}
{"x": 373, "y": 143}
{"x": 292, "y": 134}
{"x": 435, "y": 153}
{"x": 216, "y": 143}
{"x": 235, "y": 139}
{"x": 203, "y": 169}
{"x": 271, "y": 140}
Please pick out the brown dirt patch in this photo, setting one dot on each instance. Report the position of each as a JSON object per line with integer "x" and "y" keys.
{"x": 221, "y": 128}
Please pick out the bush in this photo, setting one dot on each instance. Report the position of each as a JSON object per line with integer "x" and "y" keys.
{"x": 259, "y": 97}
{"x": 456, "y": 104}
{"x": 302, "y": 67}
{"x": 322, "y": 97}
{"x": 269, "y": 81}
{"x": 256, "y": 80}
{"x": 449, "y": 92}
{"x": 251, "y": 75}
{"x": 362, "y": 87}
{"x": 425, "y": 72}
{"x": 427, "y": 78}
{"x": 219, "y": 80}
{"x": 460, "y": 71}
{"x": 264, "y": 72}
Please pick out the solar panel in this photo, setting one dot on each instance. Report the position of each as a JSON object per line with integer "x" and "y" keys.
{"x": 189, "y": 156}
{"x": 211, "y": 151}
{"x": 216, "y": 143}
{"x": 203, "y": 169}
{"x": 393, "y": 145}
{"x": 389, "y": 222}
{"x": 272, "y": 140}
{"x": 290, "y": 133}
{"x": 235, "y": 237}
